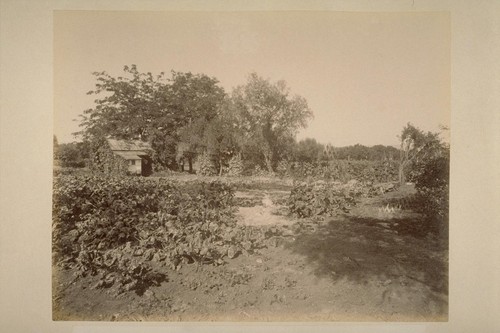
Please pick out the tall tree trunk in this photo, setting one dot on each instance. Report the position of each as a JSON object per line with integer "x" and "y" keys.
{"x": 268, "y": 145}
{"x": 402, "y": 176}
{"x": 190, "y": 161}
{"x": 181, "y": 165}
{"x": 269, "y": 163}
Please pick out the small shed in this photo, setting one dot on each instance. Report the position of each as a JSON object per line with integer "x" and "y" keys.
{"x": 135, "y": 153}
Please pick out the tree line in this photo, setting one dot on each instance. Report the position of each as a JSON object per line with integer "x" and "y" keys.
{"x": 77, "y": 154}
{"x": 185, "y": 116}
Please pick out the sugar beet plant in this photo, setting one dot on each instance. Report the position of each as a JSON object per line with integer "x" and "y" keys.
{"x": 320, "y": 199}
{"x": 115, "y": 228}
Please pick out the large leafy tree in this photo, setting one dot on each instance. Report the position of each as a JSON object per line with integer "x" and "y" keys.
{"x": 223, "y": 138}
{"x": 126, "y": 106}
{"x": 268, "y": 116}
{"x": 161, "y": 110}
{"x": 201, "y": 100}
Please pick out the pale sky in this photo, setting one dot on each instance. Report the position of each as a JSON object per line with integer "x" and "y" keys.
{"x": 364, "y": 75}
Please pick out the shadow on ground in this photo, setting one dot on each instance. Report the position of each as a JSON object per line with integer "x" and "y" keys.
{"x": 365, "y": 250}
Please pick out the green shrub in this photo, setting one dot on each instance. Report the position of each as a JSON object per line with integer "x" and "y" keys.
{"x": 235, "y": 166}
{"x": 207, "y": 167}
{"x": 283, "y": 168}
{"x": 431, "y": 177}
{"x": 72, "y": 155}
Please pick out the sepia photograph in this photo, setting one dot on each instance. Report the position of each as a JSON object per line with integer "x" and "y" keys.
{"x": 258, "y": 166}
{"x": 251, "y": 166}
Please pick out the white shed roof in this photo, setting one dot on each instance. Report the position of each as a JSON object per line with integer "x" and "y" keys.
{"x": 130, "y": 155}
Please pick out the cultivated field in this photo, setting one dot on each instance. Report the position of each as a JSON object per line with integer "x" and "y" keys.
{"x": 188, "y": 248}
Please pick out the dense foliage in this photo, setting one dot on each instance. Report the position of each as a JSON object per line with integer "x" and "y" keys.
{"x": 114, "y": 227}
{"x": 268, "y": 117}
{"x": 361, "y": 152}
{"x": 71, "y": 155}
{"x": 235, "y": 166}
{"x": 416, "y": 145}
{"x": 308, "y": 150}
{"x": 308, "y": 200}
{"x": 104, "y": 161}
{"x": 341, "y": 170}
{"x": 431, "y": 175}
{"x": 425, "y": 161}
{"x": 156, "y": 109}
{"x": 206, "y": 165}
{"x": 188, "y": 114}
{"x": 323, "y": 199}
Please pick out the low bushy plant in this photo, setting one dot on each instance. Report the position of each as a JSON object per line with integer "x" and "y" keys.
{"x": 319, "y": 199}
{"x": 207, "y": 167}
{"x": 343, "y": 170}
{"x": 431, "y": 177}
{"x": 117, "y": 225}
{"x": 235, "y": 166}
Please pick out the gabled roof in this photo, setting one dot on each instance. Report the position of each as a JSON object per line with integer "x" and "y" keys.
{"x": 128, "y": 145}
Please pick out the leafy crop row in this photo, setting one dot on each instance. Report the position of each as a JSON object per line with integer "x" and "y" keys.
{"x": 309, "y": 200}
{"x": 328, "y": 199}
{"x": 342, "y": 170}
{"x": 117, "y": 227}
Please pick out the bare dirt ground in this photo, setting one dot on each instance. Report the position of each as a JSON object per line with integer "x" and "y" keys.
{"x": 371, "y": 264}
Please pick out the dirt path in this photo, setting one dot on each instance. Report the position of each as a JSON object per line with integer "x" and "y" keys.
{"x": 370, "y": 264}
